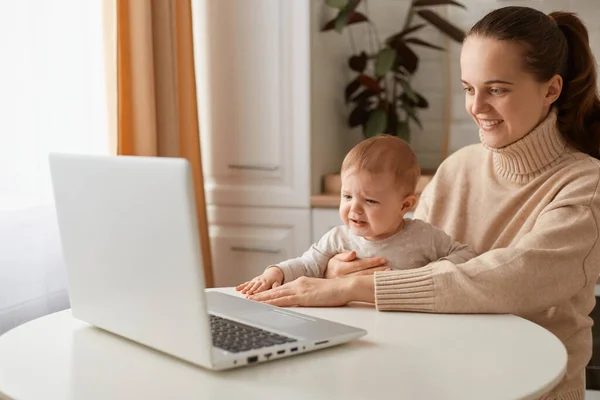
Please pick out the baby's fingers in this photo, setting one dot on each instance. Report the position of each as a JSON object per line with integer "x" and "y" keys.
{"x": 254, "y": 287}
{"x": 241, "y": 287}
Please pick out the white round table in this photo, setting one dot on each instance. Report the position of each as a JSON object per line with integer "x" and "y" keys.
{"x": 404, "y": 356}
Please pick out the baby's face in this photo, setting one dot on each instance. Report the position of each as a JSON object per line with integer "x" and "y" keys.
{"x": 371, "y": 204}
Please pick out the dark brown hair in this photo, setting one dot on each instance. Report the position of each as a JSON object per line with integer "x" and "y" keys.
{"x": 553, "y": 44}
{"x": 385, "y": 153}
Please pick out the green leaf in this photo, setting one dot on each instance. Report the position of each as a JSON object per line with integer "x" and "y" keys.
{"x": 444, "y": 26}
{"x": 384, "y": 61}
{"x": 411, "y": 29}
{"x": 351, "y": 88}
{"x": 375, "y": 123}
{"x": 336, "y": 3}
{"x": 353, "y": 18}
{"x": 419, "y": 3}
{"x": 406, "y": 57}
{"x": 423, "y": 43}
{"x": 346, "y": 16}
{"x": 403, "y": 131}
{"x": 412, "y": 113}
{"x": 422, "y": 102}
{"x": 392, "y": 40}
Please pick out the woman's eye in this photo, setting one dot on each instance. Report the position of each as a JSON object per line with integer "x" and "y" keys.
{"x": 468, "y": 90}
{"x": 496, "y": 92}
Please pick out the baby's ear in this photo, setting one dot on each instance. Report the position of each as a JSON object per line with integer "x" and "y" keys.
{"x": 409, "y": 203}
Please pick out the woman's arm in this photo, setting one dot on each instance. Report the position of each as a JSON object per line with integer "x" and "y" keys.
{"x": 314, "y": 292}
{"x": 550, "y": 264}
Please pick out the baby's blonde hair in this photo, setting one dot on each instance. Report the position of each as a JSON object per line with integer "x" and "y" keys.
{"x": 385, "y": 153}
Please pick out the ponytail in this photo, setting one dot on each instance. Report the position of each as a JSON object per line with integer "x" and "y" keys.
{"x": 578, "y": 104}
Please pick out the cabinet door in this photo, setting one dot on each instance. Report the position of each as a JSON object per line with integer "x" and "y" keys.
{"x": 246, "y": 240}
{"x": 323, "y": 220}
{"x": 253, "y": 77}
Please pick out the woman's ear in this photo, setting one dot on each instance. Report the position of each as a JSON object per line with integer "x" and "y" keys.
{"x": 554, "y": 89}
{"x": 409, "y": 203}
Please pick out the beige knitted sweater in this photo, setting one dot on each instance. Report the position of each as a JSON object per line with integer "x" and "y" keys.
{"x": 531, "y": 212}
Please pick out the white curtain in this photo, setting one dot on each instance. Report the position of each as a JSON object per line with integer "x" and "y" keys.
{"x": 52, "y": 99}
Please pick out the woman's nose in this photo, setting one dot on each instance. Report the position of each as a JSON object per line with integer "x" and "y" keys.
{"x": 479, "y": 104}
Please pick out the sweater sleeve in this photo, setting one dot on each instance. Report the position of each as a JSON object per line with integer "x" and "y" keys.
{"x": 314, "y": 261}
{"x": 547, "y": 266}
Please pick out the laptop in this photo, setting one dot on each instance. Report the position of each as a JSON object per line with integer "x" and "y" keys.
{"x": 130, "y": 241}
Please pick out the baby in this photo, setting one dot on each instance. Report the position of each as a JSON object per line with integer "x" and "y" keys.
{"x": 379, "y": 178}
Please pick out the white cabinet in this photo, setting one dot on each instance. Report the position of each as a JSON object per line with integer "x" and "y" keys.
{"x": 252, "y": 60}
{"x": 253, "y": 81}
{"x": 323, "y": 220}
{"x": 246, "y": 240}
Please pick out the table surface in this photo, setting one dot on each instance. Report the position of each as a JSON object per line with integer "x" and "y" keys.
{"x": 404, "y": 355}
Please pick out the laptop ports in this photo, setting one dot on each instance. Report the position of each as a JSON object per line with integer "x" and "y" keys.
{"x": 293, "y": 349}
{"x": 268, "y": 355}
{"x": 280, "y": 352}
{"x": 252, "y": 359}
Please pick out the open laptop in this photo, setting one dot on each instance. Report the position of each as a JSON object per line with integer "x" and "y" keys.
{"x": 130, "y": 240}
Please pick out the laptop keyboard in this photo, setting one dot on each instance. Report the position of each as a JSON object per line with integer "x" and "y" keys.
{"x": 235, "y": 337}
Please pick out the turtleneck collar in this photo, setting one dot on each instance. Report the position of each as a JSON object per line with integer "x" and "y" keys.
{"x": 530, "y": 155}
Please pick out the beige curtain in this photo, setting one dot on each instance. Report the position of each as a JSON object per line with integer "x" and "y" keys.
{"x": 156, "y": 91}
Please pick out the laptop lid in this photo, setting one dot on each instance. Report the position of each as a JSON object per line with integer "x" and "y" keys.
{"x": 130, "y": 240}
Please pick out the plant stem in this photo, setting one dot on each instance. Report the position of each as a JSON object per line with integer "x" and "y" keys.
{"x": 375, "y": 41}
{"x": 372, "y": 26}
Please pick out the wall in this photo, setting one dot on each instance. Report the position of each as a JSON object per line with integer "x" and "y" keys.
{"x": 438, "y": 77}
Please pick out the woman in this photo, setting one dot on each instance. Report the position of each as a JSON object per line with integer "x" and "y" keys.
{"x": 525, "y": 199}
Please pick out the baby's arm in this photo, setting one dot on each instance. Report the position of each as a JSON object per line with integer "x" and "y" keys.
{"x": 448, "y": 249}
{"x": 314, "y": 261}
{"x": 272, "y": 277}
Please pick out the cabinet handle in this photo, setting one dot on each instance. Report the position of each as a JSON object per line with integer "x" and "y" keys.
{"x": 255, "y": 167}
{"x": 256, "y": 249}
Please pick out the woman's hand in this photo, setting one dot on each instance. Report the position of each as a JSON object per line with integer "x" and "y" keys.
{"x": 346, "y": 264}
{"x": 316, "y": 292}
{"x": 307, "y": 292}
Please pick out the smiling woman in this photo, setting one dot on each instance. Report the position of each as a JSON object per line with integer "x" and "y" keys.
{"x": 526, "y": 199}
{"x": 502, "y": 97}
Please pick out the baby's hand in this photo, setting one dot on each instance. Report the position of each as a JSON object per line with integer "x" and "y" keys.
{"x": 271, "y": 278}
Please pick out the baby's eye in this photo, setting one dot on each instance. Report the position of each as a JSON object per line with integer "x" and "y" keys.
{"x": 346, "y": 196}
{"x": 369, "y": 201}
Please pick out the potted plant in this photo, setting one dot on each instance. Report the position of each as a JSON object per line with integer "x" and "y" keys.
{"x": 381, "y": 94}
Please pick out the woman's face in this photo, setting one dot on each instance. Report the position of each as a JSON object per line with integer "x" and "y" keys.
{"x": 505, "y": 100}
